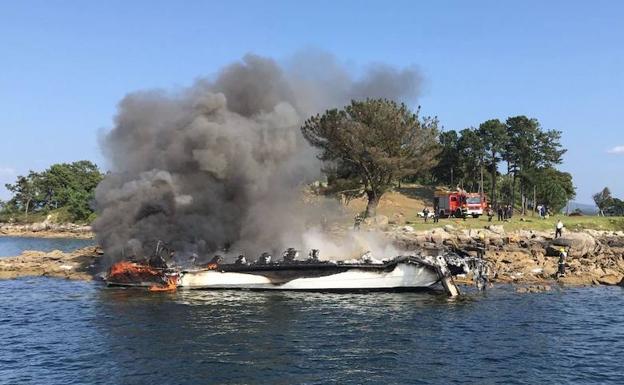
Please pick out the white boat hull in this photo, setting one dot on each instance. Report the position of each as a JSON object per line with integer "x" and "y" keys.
{"x": 402, "y": 276}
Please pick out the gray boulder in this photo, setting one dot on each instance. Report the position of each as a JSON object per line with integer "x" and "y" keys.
{"x": 579, "y": 244}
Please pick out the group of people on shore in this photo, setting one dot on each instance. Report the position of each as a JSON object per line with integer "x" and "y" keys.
{"x": 543, "y": 211}
{"x": 504, "y": 212}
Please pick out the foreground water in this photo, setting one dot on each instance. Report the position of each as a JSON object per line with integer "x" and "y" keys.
{"x": 62, "y": 332}
{"x": 11, "y": 246}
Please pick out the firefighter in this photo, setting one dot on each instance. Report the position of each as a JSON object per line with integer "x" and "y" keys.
{"x": 500, "y": 213}
{"x": 426, "y": 214}
{"x": 481, "y": 246}
{"x": 490, "y": 214}
{"x": 241, "y": 260}
{"x": 436, "y": 215}
{"x": 558, "y": 229}
{"x": 563, "y": 255}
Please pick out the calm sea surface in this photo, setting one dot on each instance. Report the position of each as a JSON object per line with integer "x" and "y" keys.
{"x": 61, "y": 332}
{"x": 11, "y": 246}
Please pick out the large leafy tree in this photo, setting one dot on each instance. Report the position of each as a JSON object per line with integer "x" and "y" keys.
{"x": 493, "y": 134}
{"x": 529, "y": 148}
{"x": 553, "y": 188}
{"x": 371, "y": 144}
{"x": 471, "y": 158}
{"x": 26, "y": 192}
{"x": 603, "y": 199}
{"x": 448, "y": 170}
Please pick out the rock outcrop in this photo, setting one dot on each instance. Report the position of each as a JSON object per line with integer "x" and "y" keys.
{"x": 526, "y": 256}
{"x": 81, "y": 264}
{"x": 47, "y": 230}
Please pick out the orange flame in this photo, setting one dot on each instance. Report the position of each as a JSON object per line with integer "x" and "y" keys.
{"x": 125, "y": 269}
{"x": 171, "y": 285}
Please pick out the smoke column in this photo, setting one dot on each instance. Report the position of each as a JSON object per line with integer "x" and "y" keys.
{"x": 223, "y": 162}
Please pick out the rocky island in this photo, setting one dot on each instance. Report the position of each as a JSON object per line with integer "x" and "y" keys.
{"x": 523, "y": 257}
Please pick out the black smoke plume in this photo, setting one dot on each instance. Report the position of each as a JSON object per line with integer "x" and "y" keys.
{"x": 223, "y": 162}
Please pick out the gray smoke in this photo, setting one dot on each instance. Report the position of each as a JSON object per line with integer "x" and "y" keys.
{"x": 223, "y": 162}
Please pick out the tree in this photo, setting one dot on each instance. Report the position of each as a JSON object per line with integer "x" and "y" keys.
{"x": 617, "y": 207}
{"x": 603, "y": 200}
{"x": 371, "y": 144}
{"x": 553, "y": 188}
{"x": 25, "y": 191}
{"x": 471, "y": 158}
{"x": 528, "y": 148}
{"x": 494, "y": 137}
{"x": 69, "y": 185}
{"x": 447, "y": 170}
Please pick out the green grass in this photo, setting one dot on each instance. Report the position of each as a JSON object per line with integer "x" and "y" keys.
{"x": 529, "y": 223}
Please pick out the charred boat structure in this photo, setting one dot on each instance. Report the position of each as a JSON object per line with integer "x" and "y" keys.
{"x": 419, "y": 270}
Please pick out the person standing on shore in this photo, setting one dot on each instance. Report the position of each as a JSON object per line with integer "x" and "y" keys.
{"x": 499, "y": 210}
{"x": 558, "y": 229}
{"x": 481, "y": 245}
{"x": 563, "y": 255}
{"x": 426, "y": 214}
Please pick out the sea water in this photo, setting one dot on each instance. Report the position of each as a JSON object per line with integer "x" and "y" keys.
{"x": 55, "y": 331}
{"x": 12, "y": 246}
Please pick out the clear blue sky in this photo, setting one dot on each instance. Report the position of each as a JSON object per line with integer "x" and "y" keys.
{"x": 64, "y": 65}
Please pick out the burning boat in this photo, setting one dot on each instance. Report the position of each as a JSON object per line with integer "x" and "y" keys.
{"x": 417, "y": 271}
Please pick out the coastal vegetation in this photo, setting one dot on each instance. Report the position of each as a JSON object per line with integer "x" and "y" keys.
{"x": 64, "y": 191}
{"x": 607, "y": 204}
{"x": 369, "y": 148}
{"x": 372, "y": 146}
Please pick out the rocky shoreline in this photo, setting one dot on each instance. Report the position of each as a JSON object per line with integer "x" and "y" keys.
{"x": 526, "y": 258}
{"x": 531, "y": 257}
{"x": 81, "y": 264}
{"x": 47, "y": 230}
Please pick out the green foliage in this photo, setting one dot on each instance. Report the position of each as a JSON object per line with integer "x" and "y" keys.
{"x": 603, "y": 199}
{"x": 493, "y": 133}
{"x": 530, "y": 148}
{"x": 529, "y": 152}
{"x": 553, "y": 188}
{"x": 471, "y": 157}
{"x": 371, "y": 144}
{"x": 607, "y": 204}
{"x": 447, "y": 171}
{"x": 65, "y": 185}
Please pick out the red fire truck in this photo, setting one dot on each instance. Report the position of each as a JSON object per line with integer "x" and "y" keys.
{"x": 459, "y": 204}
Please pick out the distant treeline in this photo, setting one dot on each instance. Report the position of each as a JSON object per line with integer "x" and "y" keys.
{"x": 65, "y": 188}
{"x": 513, "y": 162}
